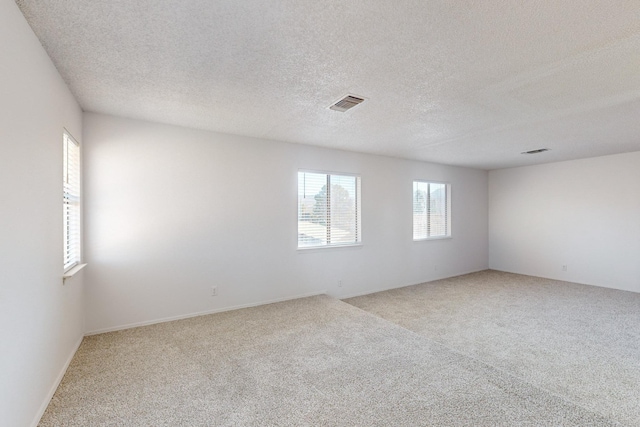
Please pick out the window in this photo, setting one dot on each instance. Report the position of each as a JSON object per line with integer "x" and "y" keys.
{"x": 328, "y": 210}
{"x": 431, "y": 210}
{"x": 71, "y": 201}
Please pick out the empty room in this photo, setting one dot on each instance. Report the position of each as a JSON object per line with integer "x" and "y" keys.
{"x": 338, "y": 213}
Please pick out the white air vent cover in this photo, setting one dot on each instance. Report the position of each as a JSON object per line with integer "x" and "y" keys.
{"x": 346, "y": 103}
{"x": 539, "y": 150}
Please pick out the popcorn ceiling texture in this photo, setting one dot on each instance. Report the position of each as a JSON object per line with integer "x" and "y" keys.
{"x": 309, "y": 362}
{"x": 462, "y": 83}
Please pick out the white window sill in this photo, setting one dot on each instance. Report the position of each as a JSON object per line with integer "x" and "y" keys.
{"x": 72, "y": 271}
{"x": 426, "y": 239}
{"x": 324, "y": 248}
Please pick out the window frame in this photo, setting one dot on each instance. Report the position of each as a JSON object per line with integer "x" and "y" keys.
{"x": 448, "y": 218}
{"x": 358, "y": 213}
{"x": 76, "y": 200}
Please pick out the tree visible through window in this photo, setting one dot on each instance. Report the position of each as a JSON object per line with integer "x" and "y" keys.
{"x": 328, "y": 209}
{"x": 431, "y": 210}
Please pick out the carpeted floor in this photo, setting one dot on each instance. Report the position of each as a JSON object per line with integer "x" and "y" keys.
{"x": 579, "y": 342}
{"x": 323, "y": 362}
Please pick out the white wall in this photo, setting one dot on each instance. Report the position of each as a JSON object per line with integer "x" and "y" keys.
{"x": 584, "y": 214}
{"x": 173, "y": 211}
{"x": 41, "y": 321}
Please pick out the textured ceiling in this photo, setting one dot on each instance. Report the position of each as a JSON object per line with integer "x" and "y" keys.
{"x": 468, "y": 83}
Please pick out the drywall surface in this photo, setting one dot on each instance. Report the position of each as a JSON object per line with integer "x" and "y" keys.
{"x": 582, "y": 214}
{"x": 171, "y": 212}
{"x": 41, "y": 321}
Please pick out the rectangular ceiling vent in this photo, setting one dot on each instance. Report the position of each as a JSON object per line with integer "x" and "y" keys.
{"x": 538, "y": 151}
{"x": 346, "y": 103}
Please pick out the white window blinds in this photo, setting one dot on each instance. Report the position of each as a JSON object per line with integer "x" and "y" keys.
{"x": 431, "y": 210}
{"x": 71, "y": 201}
{"x": 328, "y": 209}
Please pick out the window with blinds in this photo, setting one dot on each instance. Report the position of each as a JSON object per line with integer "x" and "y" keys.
{"x": 71, "y": 201}
{"x": 431, "y": 210}
{"x": 328, "y": 210}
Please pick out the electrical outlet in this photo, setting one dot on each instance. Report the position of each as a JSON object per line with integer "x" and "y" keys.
{"x": 564, "y": 268}
{"x": 214, "y": 291}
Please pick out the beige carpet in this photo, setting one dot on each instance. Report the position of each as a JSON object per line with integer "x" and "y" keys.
{"x": 578, "y": 342}
{"x": 310, "y": 362}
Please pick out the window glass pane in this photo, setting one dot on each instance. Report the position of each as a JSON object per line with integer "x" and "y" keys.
{"x": 328, "y": 209}
{"x": 312, "y": 209}
{"x": 71, "y": 201}
{"x": 437, "y": 210}
{"x": 431, "y": 212}
{"x": 343, "y": 209}
{"x": 420, "y": 210}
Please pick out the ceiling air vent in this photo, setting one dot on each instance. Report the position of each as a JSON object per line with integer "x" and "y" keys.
{"x": 346, "y": 103}
{"x": 539, "y": 150}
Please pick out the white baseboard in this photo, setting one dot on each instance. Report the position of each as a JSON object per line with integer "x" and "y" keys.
{"x": 200, "y": 313}
{"x": 58, "y": 379}
{"x": 359, "y": 294}
{"x": 55, "y": 385}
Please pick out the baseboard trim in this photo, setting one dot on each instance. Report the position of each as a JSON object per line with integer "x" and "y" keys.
{"x": 55, "y": 385}
{"x": 359, "y": 294}
{"x": 560, "y": 278}
{"x": 255, "y": 304}
{"x": 200, "y": 313}
{"x": 58, "y": 379}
